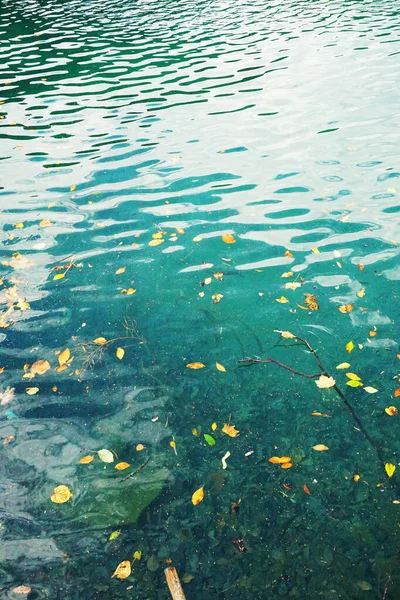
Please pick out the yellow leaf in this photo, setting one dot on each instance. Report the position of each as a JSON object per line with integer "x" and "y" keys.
{"x": 217, "y": 298}
{"x": 195, "y": 432}
{"x": 287, "y": 274}
{"x": 139, "y": 447}
{"x": 320, "y": 447}
{"x": 61, "y": 368}
{"x": 286, "y": 465}
{"x": 180, "y": 231}
{"x": 61, "y": 494}
{"x": 45, "y": 223}
{"x": 198, "y": 238}
{"x": 19, "y": 226}
{"x": 286, "y": 334}
{"x": 344, "y": 365}
{"x": 172, "y": 444}
{"x": 32, "y": 391}
{"x": 220, "y": 367}
{"x": 123, "y": 570}
{"x": 230, "y": 430}
{"x": 120, "y": 271}
{"x": 122, "y": 465}
{"x": 361, "y": 293}
{"x": 40, "y": 367}
{"x": 198, "y": 496}
{"x": 282, "y": 300}
{"x": 106, "y": 456}
{"x": 64, "y": 357}
{"x": 214, "y": 426}
{"x": 157, "y": 236}
{"x": 288, "y": 254}
{"x": 349, "y": 347}
{"x": 218, "y": 276}
{"x": 114, "y": 535}
{"x": 370, "y": 389}
{"x": 390, "y": 469}
{"x": 195, "y": 365}
{"x": 354, "y": 383}
{"x": 292, "y": 285}
{"x": 228, "y": 238}
{"x": 346, "y": 308}
{"x": 100, "y": 341}
{"x": 155, "y": 242}
{"x": 207, "y": 280}
{"x": 356, "y": 477}
{"x": 318, "y": 414}
{"x": 120, "y": 353}
{"x": 311, "y": 301}
{"x": 86, "y": 460}
{"x": 59, "y": 276}
{"x": 315, "y": 250}
{"x": 137, "y": 555}
{"x": 279, "y": 460}
{"x": 353, "y": 376}
{"x": 391, "y": 411}
{"x": 72, "y": 188}
{"x": 325, "y": 382}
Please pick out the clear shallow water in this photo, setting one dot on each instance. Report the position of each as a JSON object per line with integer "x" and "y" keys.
{"x": 278, "y": 124}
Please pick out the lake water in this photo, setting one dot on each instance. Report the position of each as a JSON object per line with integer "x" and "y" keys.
{"x": 179, "y": 182}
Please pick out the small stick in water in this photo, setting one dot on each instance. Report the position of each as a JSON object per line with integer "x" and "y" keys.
{"x": 174, "y": 584}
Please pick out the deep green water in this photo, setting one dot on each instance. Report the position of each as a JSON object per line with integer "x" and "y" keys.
{"x": 277, "y": 123}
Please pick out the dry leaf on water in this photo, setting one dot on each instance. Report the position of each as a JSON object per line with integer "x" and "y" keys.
{"x": 346, "y": 308}
{"x": 120, "y": 353}
{"x": 21, "y": 589}
{"x": 343, "y": 365}
{"x": 61, "y": 494}
{"x": 155, "y": 242}
{"x": 122, "y": 465}
{"x": 40, "y": 367}
{"x": 320, "y": 448}
{"x": 195, "y": 365}
{"x": 325, "y": 382}
{"x": 100, "y": 341}
{"x": 279, "y": 460}
{"x": 120, "y": 271}
{"x": 305, "y": 488}
{"x": 349, "y": 347}
{"x": 390, "y": 469}
{"x": 391, "y": 411}
{"x": 7, "y": 396}
{"x": 139, "y": 447}
{"x": 64, "y": 357}
{"x": 370, "y": 390}
{"x": 230, "y": 430}
{"x": 318, "y": 414}
{"x": 311, "y": 301}
{"x": 123, "y": 570}
{"x": 32, "y": 391}
{"x": 220, "y": 367}
{"x": 282, "y": 300}
{"x": 396, "y": 393}
{"x": 106, "y": 455}
{"x": 288, "y": 254}
{"x": 198, "y": 496}
{"x": 292, "y": 285}
{"x": 86, "y": 460}
{"x": 217, "y": 298}
{"x": 228, "y": 238}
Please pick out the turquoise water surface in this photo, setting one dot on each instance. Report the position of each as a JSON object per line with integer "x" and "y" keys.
{"x": 180, "y": 182}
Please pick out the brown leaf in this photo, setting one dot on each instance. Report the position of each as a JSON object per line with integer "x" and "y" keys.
{"x": 22, "y": 589}
{"x": 311, "y": 301}
{"x": 346, "y": 308}
{"x": 123, "y": 570}
{"x": 305, "y": 488}
{"x": 230, "y": 430}
{"x": 40, "y": 367}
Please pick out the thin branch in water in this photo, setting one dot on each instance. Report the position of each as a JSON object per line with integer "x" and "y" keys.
{"x": 137, "y": 471}
{"x": 276, "y": 362}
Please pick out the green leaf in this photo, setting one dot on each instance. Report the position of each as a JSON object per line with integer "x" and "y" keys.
{"x": 364, "y": 586}
{"x": 209, "y": 439}
{"x": 114, "y": 535}
{"x": 354, "y": 383}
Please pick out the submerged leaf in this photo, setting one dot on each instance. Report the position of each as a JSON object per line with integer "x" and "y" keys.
{"x": 220, "y": 367}
{"x": 198, "y": 496}
{"x": 120, "y": 271}
{"x": 106, "y": 455}
{"x": 209, "y": 439}
{"x": 122, "y": 465}
{"x": 320, "y": 447}
{"x": 230, "y": 430}
{"x": 391, "y": 411}
{"x": 120, "y": 353}
{"x": 114, "y": 535}
{"x": 344, "y": 365}
{"x": 61, "y": 494}
{"x": 195, "y": 365}
{"x": 390, "y": 469}
{"x": 7, "y": 396}
{"x": 123, "y": 570}
{"x": 21, "y": 589}
{"x": 86, "y": 460}
{"x": 100, "y": 341}
{"x": 292, "y": 285}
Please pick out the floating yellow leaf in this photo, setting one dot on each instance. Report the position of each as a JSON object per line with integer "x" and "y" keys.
{"x": 158, "y": 235}
{"x": 288, "y": 254}
{"x": 45, "y": 223}
{"x": 287, "y": 274}
{"x": 114, "y": 535}
{"x": 346, "y": 308}
{"x": 137, "y": 555}
{"x": 343, "y": 365}
{"x": 198, "y": 238}
{"x": 325, "y": 382}
{"x": 214, "y": 426}
{"x": 122, "y": 465}
{"x": 372, "y": 333}
{"x": 195, "y": 365}
{"x": 128, "y": 292}
{"x": 21, "y": 589}
{"x": 318, "y": 414}
{"x": 286, "y": 465}
{"x": 370, "y": 390}
{"x": 356, "y": 477}
{"x": 292, "y": 285}
{"x": 354, "y": 383}
{"x": 390, "y": 469}
{"x": 106, "y": 456}
{"x": 59, "y": 276}
{"x": 155, "y": 242}
{"x": 361, "y": 293}
{"x": 32, "y": 391}
{"x": 391, "y": 411}
{"x": 353, "y": 376}
{"x": 72, "y": 188}
{"x": 173, "y": 444}
{"x": 139, "y": 447}
{"x": 228, "y": 238}
{"x": 19, "y": 226}
{"x": 282, "y": 300}
{"x": 100, "y": 341}
{"x": 218, "y": 276}
{"x": 64, "y": 357}
{"x": 286, "y": 334}
{"x": 86, "y": 460}
{"x": 61, "y": 494}
{"x": 320, "y": 447}
{"x": 198, "y": 496}
{"x": 217, "y": 298}
{"x": 40, "y": 367}
{"x": 120, "y": 353}
{"x": 207, "y": 280}
{"x": 123, "y": 570}
{"x": 311, "y": 301}
{"x": 230, "y": 430}
{"x": 220, "y": 367}
{"x": 349, "y": 347}
{"x": 195, "y": 432}
{"x": 315, "y": 250}
{"x": 279, "y": 460}
{"x": 120, "y": 271}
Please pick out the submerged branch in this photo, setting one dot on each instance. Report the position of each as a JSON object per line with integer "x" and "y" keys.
{"x": 276, "y": 362}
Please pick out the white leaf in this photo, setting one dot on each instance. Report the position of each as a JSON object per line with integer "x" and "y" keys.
{"x": 325, "y": 382}
{"x": 370, "y": 390}
{"x": 7, "y": 396}
{"x": 106, "y": 456}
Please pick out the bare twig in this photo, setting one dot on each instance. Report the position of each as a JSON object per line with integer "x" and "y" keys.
{"x": 137, "y": 471}
{"x": 276, "y": 362}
